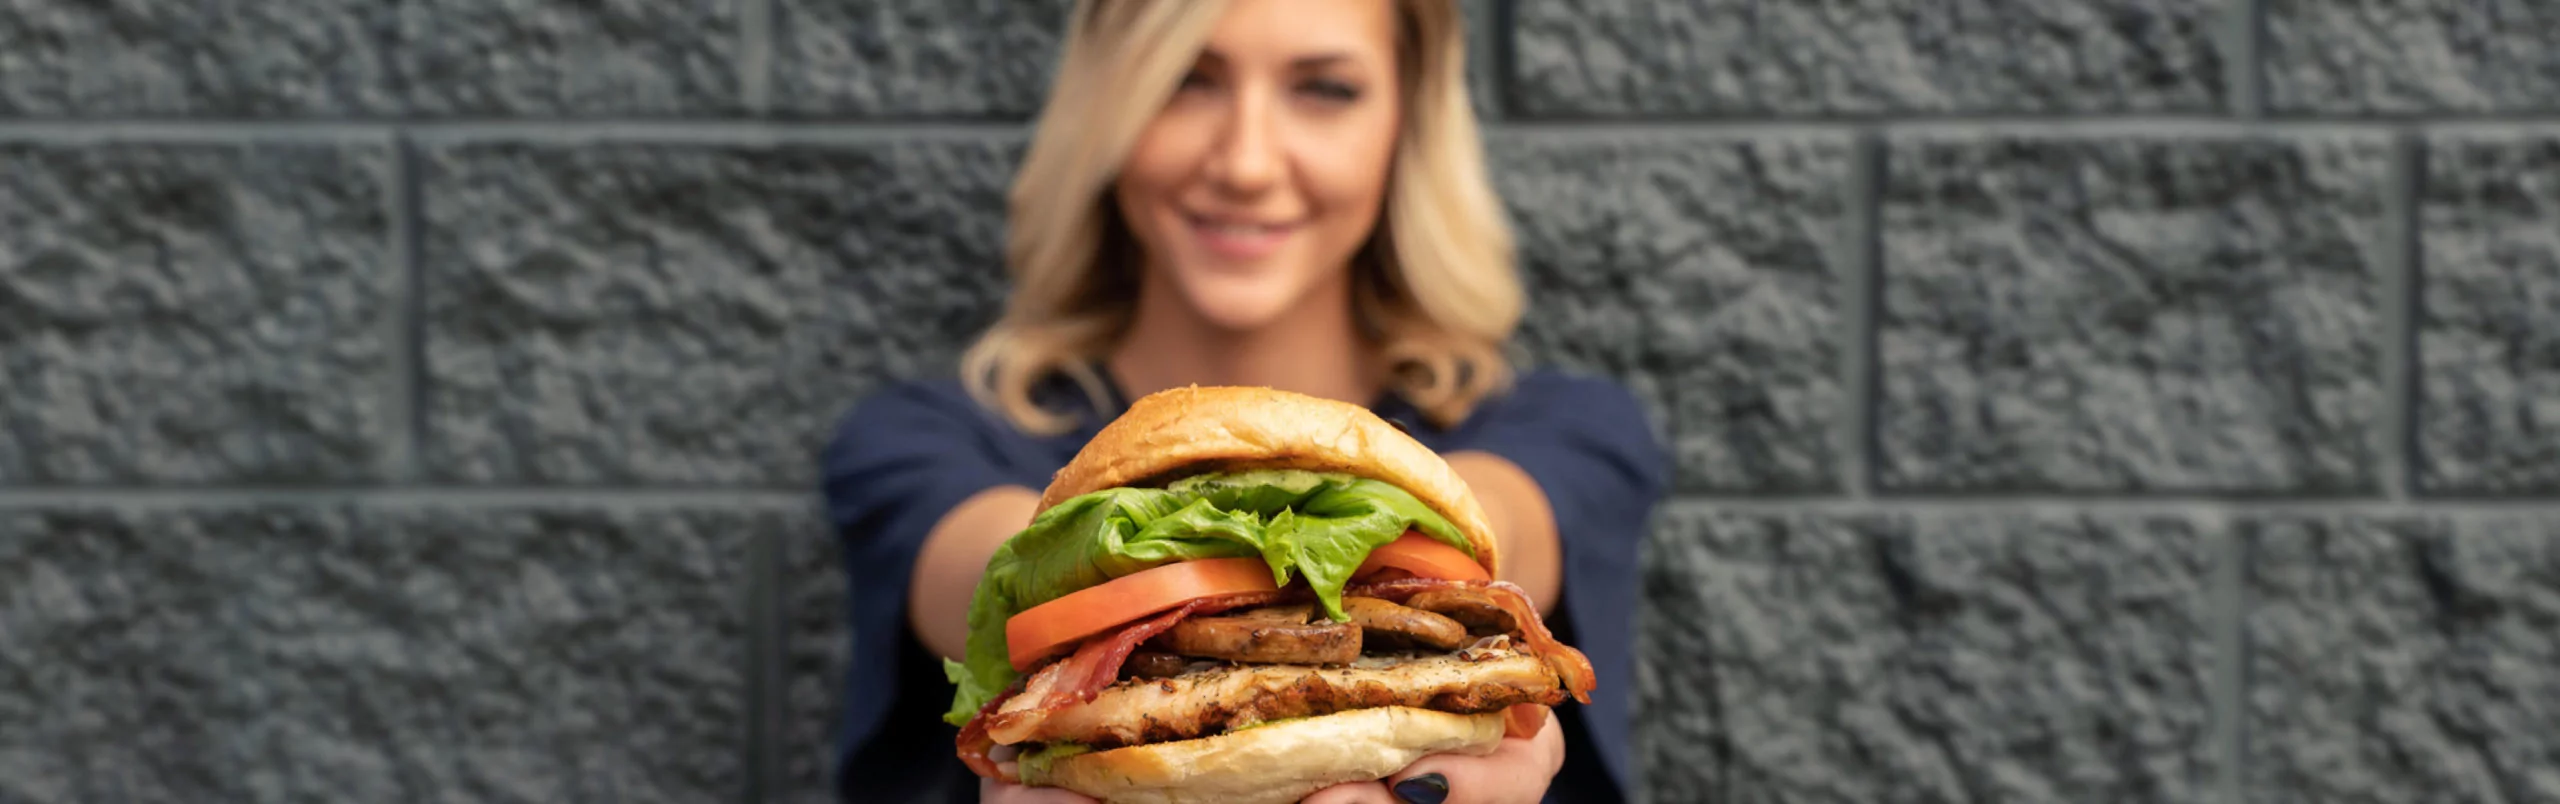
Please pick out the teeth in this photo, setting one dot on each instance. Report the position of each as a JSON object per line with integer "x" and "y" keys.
{"x": 1236, "y": 228}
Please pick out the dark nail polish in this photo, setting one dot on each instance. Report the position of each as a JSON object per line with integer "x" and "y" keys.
{"x": 1429, "y": 788}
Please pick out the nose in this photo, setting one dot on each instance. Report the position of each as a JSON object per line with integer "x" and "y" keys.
{"x": 1248, "y": 158}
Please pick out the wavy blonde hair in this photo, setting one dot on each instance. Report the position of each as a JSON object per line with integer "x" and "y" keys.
{"x": 1435, "y": 287}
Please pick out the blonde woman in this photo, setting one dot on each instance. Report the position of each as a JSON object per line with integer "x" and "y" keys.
{"x": 1284, "y": 193}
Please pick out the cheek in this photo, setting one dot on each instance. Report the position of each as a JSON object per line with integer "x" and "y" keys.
{"x": 1349, "y": 180}
{"x": 1152, "y": 177}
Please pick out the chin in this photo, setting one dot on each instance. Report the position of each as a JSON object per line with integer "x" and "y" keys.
{"x": 1242, "y": 304}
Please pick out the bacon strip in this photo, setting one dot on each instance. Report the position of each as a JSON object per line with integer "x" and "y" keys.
{"x": 1097, "y": 664}
{"x": 1569, "y": 663}
{"x": 975, "y": 744}
{"x": 1075, "y": 679}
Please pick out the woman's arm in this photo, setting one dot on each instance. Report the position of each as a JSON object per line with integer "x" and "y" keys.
{"x": 953, "y": 560}
{"x": 1524, "y": 528}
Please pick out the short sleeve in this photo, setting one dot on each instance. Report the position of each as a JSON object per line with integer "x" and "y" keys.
{"x": 897, "y": 463}
{"x": 1590, "y": 447}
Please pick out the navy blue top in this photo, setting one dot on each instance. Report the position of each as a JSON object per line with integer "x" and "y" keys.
{"x": 909, "y": 454}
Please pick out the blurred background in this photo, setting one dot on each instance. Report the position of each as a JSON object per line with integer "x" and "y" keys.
{"x": 2075, "y": 400}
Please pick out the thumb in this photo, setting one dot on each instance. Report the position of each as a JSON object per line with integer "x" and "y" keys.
{"x": 1519, "y": 770}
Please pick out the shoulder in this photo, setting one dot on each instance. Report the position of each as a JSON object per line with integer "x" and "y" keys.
{"x": 1548, "y": 392}
{"x": 911, "y": 446}
{"x": 938, "y": 414}
{"x": 903, "y": 404}
{"x": 1558, "y": 424}
{"x": 902, "y": 422}
{"x": 1550, "y": 401}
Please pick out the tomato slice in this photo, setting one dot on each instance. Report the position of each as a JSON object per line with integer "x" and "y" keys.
{"x": 1424, "y": 557}
{"x": 1054, "y": 627}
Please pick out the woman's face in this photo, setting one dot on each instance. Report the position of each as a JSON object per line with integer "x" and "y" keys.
{"x": 1265, "y": 172}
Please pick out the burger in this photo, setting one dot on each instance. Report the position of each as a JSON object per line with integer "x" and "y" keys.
{"x": 1247, "y": 595}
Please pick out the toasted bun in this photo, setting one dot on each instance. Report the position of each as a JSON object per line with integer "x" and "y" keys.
{"x": 1274, "y": 764}
{"x": 1193, "y": 430}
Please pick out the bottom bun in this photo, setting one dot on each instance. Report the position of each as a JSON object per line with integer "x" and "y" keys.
{"x": 1274, "y": 764}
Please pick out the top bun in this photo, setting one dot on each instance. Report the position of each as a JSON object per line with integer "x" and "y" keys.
{"x": 1193, "y": 430}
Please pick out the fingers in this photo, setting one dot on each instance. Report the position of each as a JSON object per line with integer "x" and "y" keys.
{"x": 1352, "y": 793}
{"x": 991, "y": 791}
{"x": 1517, "y": 772}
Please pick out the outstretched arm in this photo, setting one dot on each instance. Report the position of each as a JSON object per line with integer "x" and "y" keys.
{"x": 1523, "y": 525}
{"x": 953, "y": 559}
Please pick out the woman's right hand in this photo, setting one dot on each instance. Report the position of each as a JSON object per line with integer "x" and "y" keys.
{"x": 991, "y": 791}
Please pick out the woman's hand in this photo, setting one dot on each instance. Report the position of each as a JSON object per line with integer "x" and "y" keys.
{"x": 1515, "y": 773}
{"x": 995, "y": 792}
{"x": 991, "y": 791}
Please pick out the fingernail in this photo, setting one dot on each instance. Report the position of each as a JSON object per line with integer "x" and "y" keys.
{"x": 1429, "y": 788}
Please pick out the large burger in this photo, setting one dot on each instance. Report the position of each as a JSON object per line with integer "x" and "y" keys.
{"x": 1246, "y": 595}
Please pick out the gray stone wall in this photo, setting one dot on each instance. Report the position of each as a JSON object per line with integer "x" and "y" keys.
{"x": 2075, "y": 400}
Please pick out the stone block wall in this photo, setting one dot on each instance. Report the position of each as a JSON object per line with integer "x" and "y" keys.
{"x": 2074, "y": 400}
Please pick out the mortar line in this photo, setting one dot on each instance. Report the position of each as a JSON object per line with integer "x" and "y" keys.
{"x": 1835, "y": 505}
{"x": 2230, "y": 685}
{"x": 2404, "y": 280}
{"x": 431, "y": 133}
{"x": 2243, "y": 65}
{"x": 755, "y": 56}
{"x": 403, "y": 412}
{"x": 403, "y": 495}
{"x": 1862, "y": 280}
{"x": 765, "y": 656}
{"x": 1493, "y": 47}
{"x": 735, "y": 130}
{"x": 2090, "y": 127}
{"x": 646, "y": 497}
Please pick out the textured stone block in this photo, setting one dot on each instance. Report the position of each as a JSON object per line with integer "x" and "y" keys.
{"x": 417, "y": 653}
{"x": 814, "y": 664}
{"x": 2145, "y": 312}
{"x": 691, "y": 314}
{"x": 2411, "y": 56}
{"x": 113, "y": 654}
{"x": 2489, "y": 322}
{"x": 194, "y": 312}
{"x": 1940, "y": 657}
{"x": 331, "y": 58}
{"x": 1703, "y": 273}
{"x": 121, "y": 58}
{"x": 567, "y": 57}
{"x": 1727, "y": 57}
{"x": 2404, "y": 659}
{"x": 915, "y": 58}
{"x": 945, "y": 59}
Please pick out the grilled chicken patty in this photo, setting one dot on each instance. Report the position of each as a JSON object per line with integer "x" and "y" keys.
{"x": 1215, "y": 699}
{"x": 1296, "y": 634}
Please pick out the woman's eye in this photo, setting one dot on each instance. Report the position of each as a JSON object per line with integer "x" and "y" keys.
{"x": 1195, "y": 80}
{"x": 1336, "y": 91}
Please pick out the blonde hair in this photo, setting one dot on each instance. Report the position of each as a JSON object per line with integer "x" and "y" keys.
{"x": 1436, "y": 285}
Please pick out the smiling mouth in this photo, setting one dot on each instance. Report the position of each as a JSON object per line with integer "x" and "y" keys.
{"x": 1239, "y": 239}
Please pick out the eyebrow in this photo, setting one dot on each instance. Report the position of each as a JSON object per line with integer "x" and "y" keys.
{"x": 1306, "y": 62}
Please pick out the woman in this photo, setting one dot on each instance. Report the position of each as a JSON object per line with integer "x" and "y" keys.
{"x": 1285, "y": 193}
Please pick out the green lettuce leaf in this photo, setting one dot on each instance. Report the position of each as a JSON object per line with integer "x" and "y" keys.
{"x": 1036, "y": 763}
{"x": 1312, "y": 525}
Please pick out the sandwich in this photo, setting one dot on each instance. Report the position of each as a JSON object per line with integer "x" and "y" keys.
{"x": 1247, "y": 595}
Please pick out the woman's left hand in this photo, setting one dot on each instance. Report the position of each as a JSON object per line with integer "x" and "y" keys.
{"x": 1515, "y": 773}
